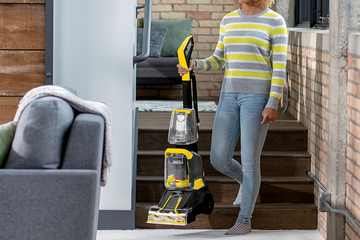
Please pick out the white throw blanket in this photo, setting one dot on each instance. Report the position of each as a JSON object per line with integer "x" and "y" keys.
{"x": 79, "y": 104}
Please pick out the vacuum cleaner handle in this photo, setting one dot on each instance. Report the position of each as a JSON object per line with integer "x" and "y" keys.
{"x": 193, "y": 78}
{"x": 184, "y": 55}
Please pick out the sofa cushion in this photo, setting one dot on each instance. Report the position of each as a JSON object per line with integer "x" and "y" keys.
{"x": 7, "y": 131}
{"x": 40, "y": 133}
{"x": 157, "y": 39}
{"x": 85, "y": 143}
{"x": 177, "y": 31}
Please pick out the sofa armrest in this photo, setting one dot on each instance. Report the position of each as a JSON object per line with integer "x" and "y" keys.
{"x": 84, "y": 148}
{"x": 43, "y": 204}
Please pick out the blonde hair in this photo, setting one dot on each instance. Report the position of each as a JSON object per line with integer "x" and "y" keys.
{"x": 259, "y": 3}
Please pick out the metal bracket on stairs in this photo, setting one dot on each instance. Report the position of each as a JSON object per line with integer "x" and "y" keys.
{"x": 324, "y": 197}
{"x": 325, "y": 202}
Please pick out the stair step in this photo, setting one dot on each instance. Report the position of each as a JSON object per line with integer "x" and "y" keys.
{"x": 283, "y": 135}
{"x": 225, "y": 189}
{"x": 286, "y": 197}
{"x": 287, "y": 164}
{"x": 273, "y": 216}
{"x": 161, "y": 120}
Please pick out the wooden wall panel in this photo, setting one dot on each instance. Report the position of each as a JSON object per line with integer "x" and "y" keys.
{"x": 8, "y": 106}
{"x": 21, "y": 71}
{"x": 22, "y": 26}
{"x": 22, "y": 55}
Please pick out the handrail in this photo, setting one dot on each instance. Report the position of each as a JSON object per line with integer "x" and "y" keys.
{"x": 325, "y": 201}
{"x": 317, "y": 181}
{"x": 327, "y": 205}
{"x": 146, "y": 34}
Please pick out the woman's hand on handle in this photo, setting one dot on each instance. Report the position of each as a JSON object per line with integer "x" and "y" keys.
{"x": 269, "y": 115}
{"x": 182, "y": 70}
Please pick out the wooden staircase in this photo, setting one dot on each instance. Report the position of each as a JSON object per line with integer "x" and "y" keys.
{"x": 285, "y": 201}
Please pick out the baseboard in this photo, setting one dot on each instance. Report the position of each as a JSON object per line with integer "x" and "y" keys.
{"x": 116, "y": 219}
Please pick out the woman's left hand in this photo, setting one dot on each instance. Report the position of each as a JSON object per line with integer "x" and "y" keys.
{"x": 269, "y": 115}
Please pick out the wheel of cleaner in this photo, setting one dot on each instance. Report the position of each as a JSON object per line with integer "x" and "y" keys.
{"x": 207, "y": 203}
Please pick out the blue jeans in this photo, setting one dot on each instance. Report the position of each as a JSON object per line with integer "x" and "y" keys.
{"x": 240, "y": 114}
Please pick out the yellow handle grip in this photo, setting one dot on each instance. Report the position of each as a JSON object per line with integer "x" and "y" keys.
{"x": 182, "y": 58}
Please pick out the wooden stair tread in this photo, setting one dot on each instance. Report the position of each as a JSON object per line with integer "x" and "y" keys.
{"x": 224, "y": 189}
{"x": 236, "y": 153}
{"x": 281, "y": 137}
{"x": 159, "y": 121}
{"x": 265, "y": 216}
{"x": 287, "y": 126}
{"x": 151, "y": 163}
{"x": 304, "y": 179}
{"x": 141, "y": 205}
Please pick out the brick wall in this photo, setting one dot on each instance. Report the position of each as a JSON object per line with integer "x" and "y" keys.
{"x": 353, "y": 139}
{"x": 309, "y": 99}
{"x": 207, "y": 15}
{"x": 309, "y": 103}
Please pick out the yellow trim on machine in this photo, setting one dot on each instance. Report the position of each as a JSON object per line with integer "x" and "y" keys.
{"x": 175, "y": 210}
{"x": 199, "y": 183}
{"x": 170, "y": 180}
{"x": 186, "y": 111}
{"x": 188, "y": 154}
{"x": 179, "y": 183}
{"x": 182, "y": 184}
{"x": 158, "y": 211}
{"x": 182, "y": 59}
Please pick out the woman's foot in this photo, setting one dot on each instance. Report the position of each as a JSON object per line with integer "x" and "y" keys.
{"x": 237, "y": 201}
{"x": 239, "y": 228}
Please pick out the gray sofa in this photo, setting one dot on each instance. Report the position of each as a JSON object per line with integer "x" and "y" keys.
{"x": 50, "y": 183}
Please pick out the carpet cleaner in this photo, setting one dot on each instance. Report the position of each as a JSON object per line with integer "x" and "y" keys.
{"x": 186, "y": 194}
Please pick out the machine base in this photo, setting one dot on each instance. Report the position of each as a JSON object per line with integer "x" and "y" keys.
{"x": 180, "y": 207}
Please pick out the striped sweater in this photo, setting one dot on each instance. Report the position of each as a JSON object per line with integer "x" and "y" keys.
{"x": 252, "y": 49}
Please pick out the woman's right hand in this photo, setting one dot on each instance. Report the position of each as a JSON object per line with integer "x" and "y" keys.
{"x": 182, "y": 70}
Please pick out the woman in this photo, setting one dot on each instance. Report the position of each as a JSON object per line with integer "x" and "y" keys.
{"x": 252, "y": 48}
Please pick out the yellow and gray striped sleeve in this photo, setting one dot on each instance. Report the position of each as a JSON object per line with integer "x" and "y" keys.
{"x": 279, "y": 56}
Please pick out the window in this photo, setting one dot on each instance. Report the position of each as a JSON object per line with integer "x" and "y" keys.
{"x": 312, "y": 13}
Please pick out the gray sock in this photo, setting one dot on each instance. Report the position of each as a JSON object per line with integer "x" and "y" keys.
{"x": 239, "y": 228}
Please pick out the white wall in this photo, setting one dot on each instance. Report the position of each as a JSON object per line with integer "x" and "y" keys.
{"x": 93, "y": 53}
